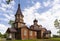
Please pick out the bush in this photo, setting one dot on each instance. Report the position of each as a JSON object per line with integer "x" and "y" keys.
{"x": 56, "y": 36}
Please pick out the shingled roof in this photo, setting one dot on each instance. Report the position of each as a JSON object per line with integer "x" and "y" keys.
{"x": 48, "y": 32}
{"x": 19, "y": 11}
{"x": 11, "y": 30}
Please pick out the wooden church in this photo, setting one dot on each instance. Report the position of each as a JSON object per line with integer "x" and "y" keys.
{"x": 21, "y": 31}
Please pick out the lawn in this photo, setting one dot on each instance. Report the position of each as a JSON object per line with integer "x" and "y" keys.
{"x": 51, "y": 39}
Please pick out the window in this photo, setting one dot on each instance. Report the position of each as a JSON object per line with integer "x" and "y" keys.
{"x": 25, "y": 32}
{"x": 10, "y": 35}
{"x": 30, "y": 33}
{"x": 35, "y": 34}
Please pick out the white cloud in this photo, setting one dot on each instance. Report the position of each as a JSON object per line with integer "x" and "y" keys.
{"x": 3, "y": 19}
{"x": 4, "y": 6}
{"x": 48, "y": 3}
{"x": 46, "y": 18}
{"x": 9, "y": 16}
{"x": 3, "y": 28}
{"x": 7, "y": 8}
{"x": 29, "y": 13}
{"x": 50, "y": 16}
{"x": 30, "y": 9}
{"x": 2, "y": 9}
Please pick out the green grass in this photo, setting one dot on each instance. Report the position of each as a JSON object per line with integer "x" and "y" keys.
{"x": 51, "y": 39}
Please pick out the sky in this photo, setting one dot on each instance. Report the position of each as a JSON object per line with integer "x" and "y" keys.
{"x": 45, "y": 11}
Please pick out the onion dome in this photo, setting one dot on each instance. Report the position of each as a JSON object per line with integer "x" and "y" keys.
{"x": 35, "y": 20}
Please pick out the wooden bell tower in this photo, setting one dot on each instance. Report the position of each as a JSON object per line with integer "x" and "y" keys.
{"x": 19, "y": 18}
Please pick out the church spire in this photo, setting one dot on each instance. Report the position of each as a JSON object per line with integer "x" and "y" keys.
{"x": 19, "y": 16}
{"x": 19, "y": 11}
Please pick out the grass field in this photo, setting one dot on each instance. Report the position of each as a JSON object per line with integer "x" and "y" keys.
{"x": 51, "y": 39}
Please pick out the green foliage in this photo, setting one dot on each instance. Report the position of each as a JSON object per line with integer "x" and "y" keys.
{"x": 2, "y": 36}
{"x": 5, "y": 35}
{"x": 8, "y": 1}
{"x": 58, "y": 31}
{"x": 56, "y": 23}
{"x": 11, "y": 23}
{"x": 56, "y": 36}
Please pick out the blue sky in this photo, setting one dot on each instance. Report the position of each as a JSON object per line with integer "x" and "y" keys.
{"x": 45, "y": 11}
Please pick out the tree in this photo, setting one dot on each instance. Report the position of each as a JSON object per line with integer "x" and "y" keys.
{"x": 0, "y": 35}
{"x": 56, "y": 36}
{"x": 11, "y": 23}
{"x": 5, "y": 35}
{"x": 57, "y": 25}
{"x": 8, "y": 1}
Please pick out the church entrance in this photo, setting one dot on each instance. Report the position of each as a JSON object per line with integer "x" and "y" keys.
{"x": 18, "y": 34}
{"x": 38, "y": 34}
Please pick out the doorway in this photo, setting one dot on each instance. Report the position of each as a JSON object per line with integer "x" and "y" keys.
{"x": 38, "y": 34}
